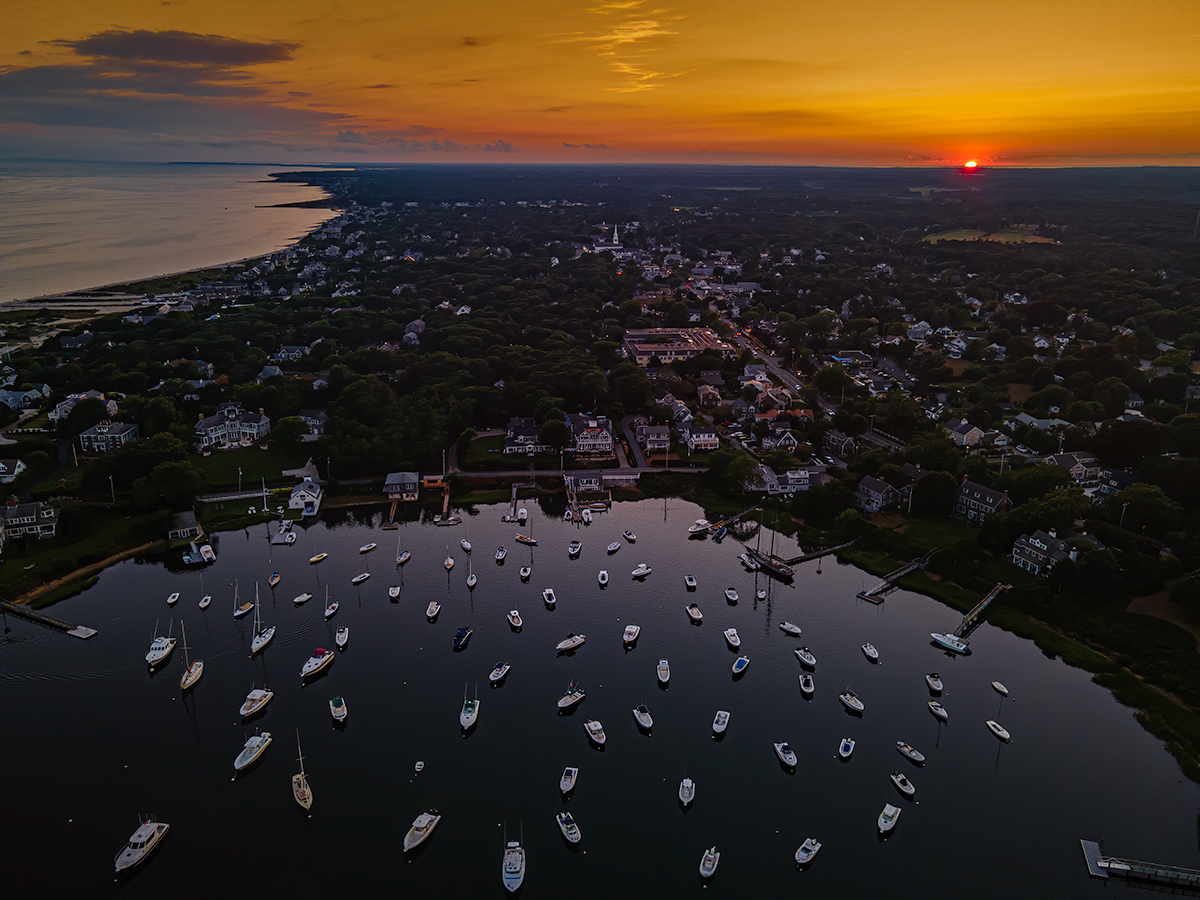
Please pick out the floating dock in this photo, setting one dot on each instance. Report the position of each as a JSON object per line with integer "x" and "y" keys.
{"x": 31, "y": 615}
{"x": 1101, "y": 866}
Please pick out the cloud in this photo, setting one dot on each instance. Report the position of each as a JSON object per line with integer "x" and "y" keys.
{"x": 587, "y": 146}
{"x": 377, "y": 87}
{"x": 182, "y": 47}
{"x": 629, "y": 42}
{"x": 499, "y": 146}
{"x": 352, "y": 137}
{"x": 557, "y": 108}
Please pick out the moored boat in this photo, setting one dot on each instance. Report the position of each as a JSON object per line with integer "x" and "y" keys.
{"x": 173, "y": 598}
{"x": 448, "y": 563}
{"x": 586, "y": 515}
{"x": 193, "y": 671}
{"x": 731, "y": 595}
{"x": 318, "y": 557}
{"x": 789, "y": 628}
{"x": 499, "y": 672}
{"x": 338, "y": 709}
{"x": 998, "y": 730}
{"x": 631, "y": 633}
{"x": 341, "y": 637}
{"x": 367, "y": 548}
{"x": 938, "y": 710}
{"x": 629, "y": 536}
{"x": 465, "y": 544}
{"x": 739, "y": 664}
{"x": 805, "y": 656}
{"x": 694, "y": 613}
{"x": 422, "y": 827}
{"x": 720, "y": 721}
{"x": 160, "y": 648}
{"x": 253, "y": 749}
{"x": 602, "y": 577}
{"x": 525, "y": 573}
{"x": 525, "y": 539}
{"x": 549, "y": 598}
{"x": 911, "y": 752}
{"x": 318, "y": 661}
{"x": 462, "y": 636}
{"x": 903, "y": 784}
{"x": 572, "y": 696}
{"x": 850, "y": 701}
{"x": 403, "y": 557}
{"x": 731, "y": 637}
{"x": 394, "y": 592}
{"x": 806, "y": 684}
{"x": 664, "y": 671}
{"x": 750, "y": 564}
{"x": 595, "y": 731}
{"x": 514, "y": 619}
{"x": 807, "y": 851}
{"x": 699, "y": 526}
{"x": 570, "y": 830}
{"x": 950, "y": 642}
{"x": 566, "y": 784}
{"x": 470, "y": 710}
{"x": 140, "y": 843}
{"x": 641, "y": 570}
{"x": 301, "y": 789}
{"x": 999, "y": 688}
{"x": 262, "y": 636}
{"x": 644, "y": 719}
{"x": 870, "y": 652}
{"x": 708, "y": 862}
{"x": 573, "y": 549}
{"x": 570, "y": 642}
{"x": 689, "y": 582}
{"x": 786, "y": 754}
{"x": 301, "y": 599}
{"x": 687, "y": 791}
{"x": 887, "y": 818}
{"x": 846, "y": 747}
{"x": 432, "y": 610}
{"x": 934, "y": 681}
{"x": 512, "y": 872}
{"x": 255, "y": 701}
{"x": 205, "y": 601}
{"x": 360, "y": 578}
{"x": 614, "y": 546}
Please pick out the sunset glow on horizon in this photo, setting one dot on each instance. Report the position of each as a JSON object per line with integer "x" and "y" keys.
{"x": 872, "y": 83}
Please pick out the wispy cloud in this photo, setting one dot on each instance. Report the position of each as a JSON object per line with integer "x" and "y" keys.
{"x": 630, "y": 42}
{"x": 587, "y": 146}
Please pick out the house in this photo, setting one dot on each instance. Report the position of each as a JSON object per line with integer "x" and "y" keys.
{"x": 306, "y": 496}
{"x": 780, "y": 439}
{"x": 521, "y": 436}
{"x": 183, "y": 526}
{"x": 10, "y": 469}
{"x": 289, "y": 353}
{"x": 789, "y": 482}
{"x": 1135, "y": 401}
{"x": 1041, "y": 424}
{"x": 315, "y": 419}
{"x": 63, "y": 409}
{"x": 753, "y": 372}
{"x": 1112, "y": 482}
{"x": 73, "y": 342}
{"x": 402, "y": 485}
{"x": 975, "y": 503}
{"x": 29, "y": 399}
{"x": 668, "y": 344}
{"x": 874, "y": 494}
{"x": 964, "y": 433}
{"x": 267, "y": 373}
{"x": 701, "y": 437}
{"x": 712, "y": 377}
{"x": 838, "y": 444}
{"x": 1082, "y": 467}
{"x": 37, "y": 519}
{"x": 709, "y": 396}
{"x": 654, "y": 437}
{"x": 108, "y": 436}
{"x": 920, "y": 331}
{"x": 592, "y": 436}
{"x": 231, "y": 424}
{"x": 1038, "y": 552}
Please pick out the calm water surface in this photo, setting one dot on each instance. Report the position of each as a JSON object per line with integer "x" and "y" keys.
{"x": 91, "y": 739}
{"x": 68, "y": 226}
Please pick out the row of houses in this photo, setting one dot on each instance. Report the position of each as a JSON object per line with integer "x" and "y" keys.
{"x": 591, "y": 437}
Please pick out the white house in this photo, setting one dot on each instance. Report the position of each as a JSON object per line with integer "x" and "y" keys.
{"x": 306, "y": 496}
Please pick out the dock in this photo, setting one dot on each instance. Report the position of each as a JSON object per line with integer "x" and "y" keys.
{"x": 817, "y": 554}
{"x": 879, "y": 592}
{"x": 1101, "y": 866}
{"x": 31, "y": 615}
{"x": 971, "y": 619}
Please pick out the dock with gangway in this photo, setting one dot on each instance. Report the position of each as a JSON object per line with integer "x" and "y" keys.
{"x": 1101, "y": 866}
{"x": 879, "y": 592}
{"x": 32, "y": 615}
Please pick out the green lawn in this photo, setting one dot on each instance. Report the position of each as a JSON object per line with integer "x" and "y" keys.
{"x": 221, "y": 468}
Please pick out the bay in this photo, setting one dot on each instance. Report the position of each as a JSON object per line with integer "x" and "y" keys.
{"x": 67, "y": 226}
{"x": 91, "y": 740}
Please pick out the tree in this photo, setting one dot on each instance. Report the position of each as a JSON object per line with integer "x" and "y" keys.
{"x": 555, "y": 432}
{"x": 934, "y": 494}
{"x": 84, "y": 415}
{"x": 289, "y": 430}
{"x": 677, "y": 315}
{"x": 1145, "y": 508}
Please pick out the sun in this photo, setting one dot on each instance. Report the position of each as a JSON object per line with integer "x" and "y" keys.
{"x": 970, "y": 164}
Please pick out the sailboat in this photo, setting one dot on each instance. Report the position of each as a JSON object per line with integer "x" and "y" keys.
{"x": 525, "y": 539}
{"x": 192, "y": 672}
{"x": 262, "y": 636}
{"x": 207, "y": 598}
{"x": 330, "y": 608}
{"x": 402, "y": 556}
{"x": 449, "y": 563}
{"x": 240, "y": 609}
{"x": 300, "y": 789}
{"x": 471, "y": 579}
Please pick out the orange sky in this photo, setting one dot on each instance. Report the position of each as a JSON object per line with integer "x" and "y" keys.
{"x": 853, "y": 82}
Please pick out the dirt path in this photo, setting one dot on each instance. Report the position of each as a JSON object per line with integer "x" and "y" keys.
{"x": 85, "y": 571}
{"x": 1160, "y": 606}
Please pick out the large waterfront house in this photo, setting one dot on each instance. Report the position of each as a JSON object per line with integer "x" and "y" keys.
{"x": 975, "y": 503}
{"x": 521, "y": 436}
{"x": 231, "y": 425}
{"x": 108, "y": 436}
{"x": 402, "y": 485}
{"x": 36, "y": 519}
{"x": 1038, "y": 552}
{"x": 874, "y": 494}
{"x": 592, "y": 436}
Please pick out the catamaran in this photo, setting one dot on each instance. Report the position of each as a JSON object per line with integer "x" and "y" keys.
{"x": 300, "y": 788}
{"x": 191, "y": 673}
{"x": 262, "y": 636}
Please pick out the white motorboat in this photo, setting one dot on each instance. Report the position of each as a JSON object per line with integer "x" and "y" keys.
{"x": 595, "y": 731}
{"x": 586, "y": 515}
{"x": 786, "y": 754}
{"x": 360, "y": 578}
{"x": 253, "y": 749}
{"x": 301, "y": 599}
{"x": 903, "y": 784}
{"x": 689, "y": 582}
{"x": 570, "y": 642}
{"x": 750, "y": 564}
{"x": 262, "y": 636}
{"x": 846, "y": 747}
{"x": 806, "y": 684}
{"x": 887, "y": 818}
{"x": 740, "y": 664}
{"x": 850, "y": 701}
{"x": 629, "y": 536}
{"x": 687, "y": 791}
{"x": 731, "y": 595}
{"x": 205, "y": 601}
{"x": 808, "y": 850}
{"x": 760, "y": 594}
{"x": 938, "y": 710}
{"x": 573, "y": 695}
{"x": 720, "y": 721}
{"x": 568, "y": 516}
{"x": 514, "y": 619}
{"x": 140, "y": 843}
{"x": 341, "y": 637}
{"x": 870, "y": 652}
{"x": 911, "y": 752}
{"x": 708, "y": 862}
{"x": 173, "y": 598}
{"x": 573, "y": 549}
{"x": 499, "y": 672}
{"x": 699, "y": 527}
{"x": 433, "y": 609}
{"x": 664, "y": 671}
{"x": 422, "y": 827}
{"x": 394, "y": 592}
{"x": 641, "y": 570}
{"x": 522, "y": 515}
{"x": 290, "y": 539}
{"x": 465, "y": 544}
{"x": 525, "y": 573}
{"x": 631, "y": 633}
{"x": 566, "y": 784}
{"x": 998, "y": 730}
{"x": 934, "y": 682}
{"x": 789, "y": 628}
{"x": 694, "y": 613}
{"x": 644, "y": 719}
{"x": 512, "y": 872}
{"x": 501, "y": 552}
{"x": 160, "y": 648}
{"x": 602, "y": 577}
{"x": 403, "y": 557}
{"x": 731, "y": 637}
{"x": 614, "y": 546}
{"x": 191, "y": 672}
{"x": 566, "y": 823}
{"x": 256, "y": 700}
{"x": 318, "y": 661}
{"x": 549, "y": 598}
{"x": 999, "y": 688}
{"x": 806, "y": 658}
{"x": 950, "y": 642}
{"x": 470, "y": 710}
{"x": 337, "y": 709}
{"x": 301, "y": 789}
{"x": 367, "y": 548}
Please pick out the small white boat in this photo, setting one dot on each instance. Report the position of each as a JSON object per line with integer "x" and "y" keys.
{"x": 528, "y": 540}
{"x": 318, "y": 557}
{"x": 300, "y": 787}
{"x": 403, "y": 557}
{"x": 700, "y": 525}
{"x": 808, "y": 850}
{"x": 999, "y": 688}
{"x": 870, "y": 652}
{"x": 934, "y": 681}
{"x": 337, "y": 709}
{"x": 318, "y": 661}
{"x": 708, "y": 862}
{"x": 846, "y": 747}
{"x": 789, "y": 628}
{"x": 514, "y": 619}
{"x": 290, "y": 539}
{"x": 950, "y": 642}
{"x": 470, "y": 710}
{"x": 760, "y": 594}
{"x": 614, "y": 546}
{"x": 731, "y": 637}
{"x": 644, "y": 719}
{"x": 751, "y": 564}
{"x": 255, "y": 701}
{"x": 360, "y": 578}
{"x": 938, "y": 710}
{"x": 449, "y": 562}
{"x": 911, "y": 752}
{"x": 465, "y": 544}
{"x": 903, "y": 784}
{"x": 262, "y": 636}
{"x": 887, "y": 818}
{"x": 568, "y": 516}
{"x": 629, "y": 536}
{"x": 501, "y": 552}
{"x": 331, "y": 609}
{"x": 341, "y": 637}
{"x": 602, "y": 577}
{"x": 472, "y": 580}
{"x": 720, "y": 721}
{"x": 690, "y": 582}
{"x": 301, "y": 599}
{"x": 566, "y": 824}
{"x": 631, "y": 633}
{"x": 850, "y": 701}
{"x": 570, "y": 642}
{"x": 806, "y": 684}
{"x": 394, "y": 591}
{"x": 998, "y": 730}
{"x": 549, "y": 598}
{"x": 433, "y": 609}
{"x": 574, "y": 548}
{"x": 522, "y": 514}
{"x": 499, "y": 672}
{"x": 422, "y": 827}
{"x": 173, "y": 598}
{"x": 525, "y": 573}
{"x": 641, "y": 571}
{"x": 595, "y": 731}
{"x": 253, "y": 749}
{"x": 205, "y": 601}
{"x": 367, "y": 548}
{"x": 160, "y": 648}
{"x": 573, "y": 695}
{"x": 664, "y": 671}
{"x": 806, "y": 658}
{"x": 687, "y": 791}
{"x": 191, "y": 672}
{"x": 731, "y": 595}
{"x": 740, "y": 664}
{"x": 513, "y": 871}
{"x": 586, "y": 515}
{"x": 786, "y": 754}
{"x": 566, "y": 784}
{"x": 694, "y": 613}
{"x": 140, "y": 843}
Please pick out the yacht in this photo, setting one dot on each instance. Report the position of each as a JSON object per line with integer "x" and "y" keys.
{"x": 850, "y": 701}
{"x": 301, "y": 599}
{"x": 641, "y": 571}
{"x": 720, "y": 721}
{"x": 573, "y": 695}
{"x": 433, "y": 609}
{"x": 870, "y": 652}
{"x": 566, "y": 822}
{"x": 750, "y": 564}
{"x": 614, "y": 546}
{"x": 191, "y": 673}
{"x": 160, "y": 648}
{"x": 341, "y": 637}
{"x": 394, "y": 592}
{"x": 999, "y": 688}
{"x": 629, "y": 536}
{"x": 360, "y": 578}
{"x": 602, "y": 578}
{"x": 739, "y": 664}
{"x": 300, "y": 787}
{"x": 514, "y": 619}
{"x": 586, "y": 515}
{"x": 699, "y": 527}
{"x": 549, "y": 598}
{"x": 403, "y": 557}
{"x": 367, "y": 548}
{"x": 422, "y": 827}
{"x": 466, "y": 545}
{"x": 318, "y": 661}
{"x": 664, "y": 671}
{"x": 595, "y": 731}
{"x": 462, "y": 636}
{"x": 337, "y": 709}
{"x": 789, "y": 628}
{"x": 694, "y": 613}
{"x": 253, "y": 749}
{"x": 806, "y": 684}
{"x": 525, "y": 573}
{"x": 934, "y": 682}
{"x": 911, "y": 752}
{"x": 786, "y": 754}
{"x": 318, "y": 557}
{"x": 731, "y": 595}
{"x": 687, "y": 791}
{"x": 903, "y": 784}
{"x": 631, "y": 633}
{"x": 644, "y": 719}
{"x": 690, "y": 582}
{"x": 807, "y": 851}
{"x": 513, "y": 870}
{"x": 887, "y": 818}
{"x": 846, "y": 747}
{"x": 938, "y": 710}
{"x": 140, "y": 843}
{"x": 566, "y": 784}
{"x": 950, "y": 642}
{"x": 499, "y": 672}
{"x": 574, "y": 548}
{"x": 470, "y": 710}
{"x": 501, "y": 552}
{"x": 708, "y": 862}
{"x": 806, "y": 658}
{"x": 173, "y": 598}
{"x": 273, "y": 580}
{"x": 731, "y": 637}
{"x": 570, "y": 642}
{"x": 256, "y": 700}
{"x": 998, "y": 730}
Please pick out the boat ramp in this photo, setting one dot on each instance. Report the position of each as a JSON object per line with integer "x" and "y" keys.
{"x": 1101, "y": 866}
{"x": 32, "y": 615}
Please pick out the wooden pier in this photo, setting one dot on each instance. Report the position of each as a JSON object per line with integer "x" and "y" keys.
{"x": 1101, "y": 866}
{"x": 31, "y": 615}
{"x": 971, "y": 619}
{"x": 817, "y": 554}
{"x": 879, "y": 592}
